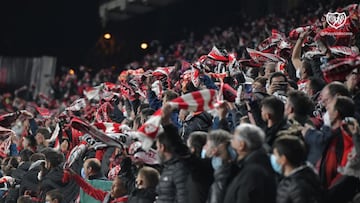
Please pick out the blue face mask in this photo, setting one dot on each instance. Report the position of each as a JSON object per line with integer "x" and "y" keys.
{"x": 277, "y": 167}
{"x": 203, "y": 153}
{"x": 216, "y": 162}
{"x": 232, "y": 153}
{"x": 82, "y": 173}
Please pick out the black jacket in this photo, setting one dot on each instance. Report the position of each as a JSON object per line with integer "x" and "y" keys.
{"x": 303, "y": 186}
{"x": 222, "y": 177}
{"x": 30, "y": 182}
{"x": 19, "y": 172}
{"x": 172, "y": 185}
{"x": 53, "y": 180}
{"x": 200, "y": 179}
{"x": 254, "y": 182}
{"x": 271, "y": 133}
{"x": 147, "y": 195}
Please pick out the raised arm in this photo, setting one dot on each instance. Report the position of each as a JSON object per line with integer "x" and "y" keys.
{"x": 296, "y": 54}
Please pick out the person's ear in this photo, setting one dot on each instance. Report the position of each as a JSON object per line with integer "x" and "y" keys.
{"x": 337, "y": 114}
{"x": 282, "y": 160}
{"x": 161, "y": 147}
{"x": 292, "y": 109}
{"x": 140, "y": 183}
{"x": 267, "y": 116}
{"x": 242, "y": 145}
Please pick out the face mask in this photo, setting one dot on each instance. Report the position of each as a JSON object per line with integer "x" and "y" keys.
{"x": 203, "y": 153}
{"x": 39, "y": 176}
{"x": 275, "y": 165}
{"x": 216, "y": 162}
{"x": 83, "y": 173}
{"x": 298, "y": 75}
{"x": 232, "y": 152}
{"x": 326, "y": 119}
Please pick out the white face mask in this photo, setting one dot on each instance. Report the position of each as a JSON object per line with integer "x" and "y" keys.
{"x": 326, "y": 119}
{"x": 298, "y": 73}
{"x": 39, "y": 176}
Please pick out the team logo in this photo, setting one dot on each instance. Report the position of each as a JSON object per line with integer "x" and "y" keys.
{"x": 336, "y": 19}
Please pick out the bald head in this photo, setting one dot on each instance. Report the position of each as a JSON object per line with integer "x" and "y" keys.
{"x": 92, "y": 166}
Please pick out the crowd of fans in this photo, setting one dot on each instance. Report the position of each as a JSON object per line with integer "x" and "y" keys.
{"x": 266, "y": 111}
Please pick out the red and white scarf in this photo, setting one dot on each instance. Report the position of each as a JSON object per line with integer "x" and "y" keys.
{"x": 198, "y": 101}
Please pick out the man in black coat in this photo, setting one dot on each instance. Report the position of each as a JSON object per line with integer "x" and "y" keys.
{"x": 172, "y": 152}
{"x": 255, "y": 179}
{"x": 201, "y": 171}
{"x": 53, "y": 179}
{"x": 30, "y": 182}
{"x": 300, "y": 183}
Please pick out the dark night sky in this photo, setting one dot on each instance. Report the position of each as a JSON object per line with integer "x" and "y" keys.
{"x": 71, "y": 29}
{"x": 61, "y": 28}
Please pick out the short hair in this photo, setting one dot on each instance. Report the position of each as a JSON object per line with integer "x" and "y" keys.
{"x": 31, "y": 140}
{"x": 345, "y": 106}
{"x": 44, "y": 131}
{"x": 337, "y": 89}
{"x": 25, "y": 154}
{"x": 219, "y": 137}
{"x": 55, "y": 194}
{"x": 54, "y": 157}
{"x": 252, "y": 135}
{"x": 275, "y": 107}
{"x": 94, "y": 164}
{"x": 277, "y": 74}
{"x": 123, "y": 184}
{"x": 316, "y": 84}
{"x": 13, "y": 162}
{"x": 306, "y": 64}
{"x": 293, "y": 148}
{"x": 172, "y": 141}
{"x": 301, "y": 103}
{"x": 197, "y": 140}
{"x": 24, "y": 199}
{"x": 170, "y": 95}
{"x": 262, "y": 80}
{"x": 271, "y": 66}
{"x": 151, "y": 176}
